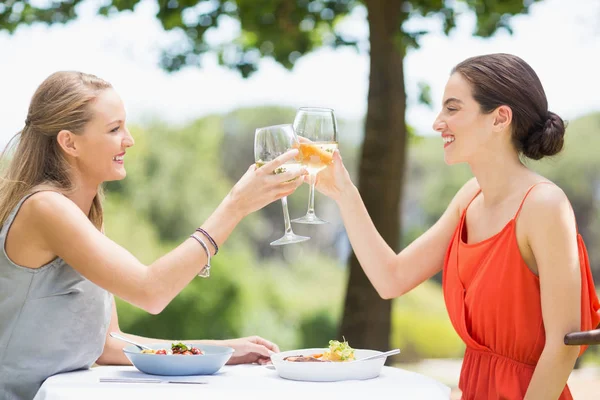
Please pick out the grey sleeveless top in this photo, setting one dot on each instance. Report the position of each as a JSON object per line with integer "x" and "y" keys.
{"x": 52, "y": 320}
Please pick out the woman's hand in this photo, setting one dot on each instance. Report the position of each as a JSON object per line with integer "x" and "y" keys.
{"x": 261, "y": 186}
{"x": 249, "y": 350}
{"x": 334, "y": 180}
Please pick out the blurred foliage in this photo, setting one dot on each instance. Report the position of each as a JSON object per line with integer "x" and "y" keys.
{"x": 282, "y": 29}
{"x": 421, "y": 327}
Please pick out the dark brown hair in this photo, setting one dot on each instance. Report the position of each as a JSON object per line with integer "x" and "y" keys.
{"x": 505, "y": 79}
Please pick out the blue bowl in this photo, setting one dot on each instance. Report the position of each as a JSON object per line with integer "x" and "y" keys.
{"x": 211, "y": 361}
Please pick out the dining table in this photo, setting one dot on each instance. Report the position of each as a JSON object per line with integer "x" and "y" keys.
{"x": 233, "y": 382}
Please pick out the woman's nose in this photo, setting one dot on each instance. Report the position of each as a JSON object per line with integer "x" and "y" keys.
{"x": 128, "y": 139}
{"x": 438, "y": 124}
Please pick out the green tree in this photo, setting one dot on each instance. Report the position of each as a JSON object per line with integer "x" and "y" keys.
{"x": 285, "y": 30}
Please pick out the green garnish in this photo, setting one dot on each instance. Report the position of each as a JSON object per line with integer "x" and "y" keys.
{"x": 179, "y": 347}
{"x": 342, "y": 349}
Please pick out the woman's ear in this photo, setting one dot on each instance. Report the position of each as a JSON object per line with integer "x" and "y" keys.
{"x": 66, "y": 141}
{"x": 503, "y": 118}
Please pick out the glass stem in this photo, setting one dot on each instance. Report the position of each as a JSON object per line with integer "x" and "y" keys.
{"x": 311, "y": 195}
{"x": 286, "y": 217}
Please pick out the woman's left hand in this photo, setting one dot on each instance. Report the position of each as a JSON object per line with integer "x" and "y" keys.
{"x": 249, "y": 350}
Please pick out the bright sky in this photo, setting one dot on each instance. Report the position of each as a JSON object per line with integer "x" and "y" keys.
{"x": 560, "y": 39}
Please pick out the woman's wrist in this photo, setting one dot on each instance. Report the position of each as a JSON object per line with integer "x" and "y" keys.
{"x": 347, "y": 193}
{"x": 232, "y": 207}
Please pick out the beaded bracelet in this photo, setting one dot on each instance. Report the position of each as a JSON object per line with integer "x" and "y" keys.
{"x": 205, "y": 271}
{"x": 210, "y": 239}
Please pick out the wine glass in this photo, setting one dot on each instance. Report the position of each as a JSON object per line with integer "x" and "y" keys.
{"x": 269, "y": 143}
{"x": 316, "y": 129}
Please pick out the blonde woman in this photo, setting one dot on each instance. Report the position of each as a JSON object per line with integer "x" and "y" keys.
{"x": 58, "y": 271}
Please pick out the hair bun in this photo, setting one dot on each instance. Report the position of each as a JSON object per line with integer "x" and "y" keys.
{"x": 545, "y": 139}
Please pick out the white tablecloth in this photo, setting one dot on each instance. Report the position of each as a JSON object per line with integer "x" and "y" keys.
{"x": 233, "y": 382}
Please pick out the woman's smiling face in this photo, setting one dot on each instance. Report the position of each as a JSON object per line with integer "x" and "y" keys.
{"x": 102, "y": 146}
{"x": 464, "y": 128}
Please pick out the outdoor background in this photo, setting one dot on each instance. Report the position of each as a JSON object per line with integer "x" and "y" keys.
{"x": 193, "y": 112}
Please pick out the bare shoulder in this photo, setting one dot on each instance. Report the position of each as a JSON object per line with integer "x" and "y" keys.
{"x": 465, "y": 194}
{"x": 546, "y": 199}
{"x": 547, "y": 207}
{"x": 40, "y": 219}
{"x": 47, "y": 206}
{"x": 46, "y": 201}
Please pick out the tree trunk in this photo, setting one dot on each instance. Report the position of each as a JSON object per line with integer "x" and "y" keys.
{"x": 366, "y": 320}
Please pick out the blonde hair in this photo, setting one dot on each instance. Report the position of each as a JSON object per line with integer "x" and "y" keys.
{"x": 61, "y": 102}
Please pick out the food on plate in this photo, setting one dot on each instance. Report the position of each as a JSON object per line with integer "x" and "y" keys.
{"x": 337, "y": 352}
{"x": 304, "y": 359}
{"x": 177, "y": 349}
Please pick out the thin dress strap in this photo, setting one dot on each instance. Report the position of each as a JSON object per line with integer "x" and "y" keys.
{"x": 13, "y": 213}
{"x": 469, "y": 203}
{"x": 527, "y": 194}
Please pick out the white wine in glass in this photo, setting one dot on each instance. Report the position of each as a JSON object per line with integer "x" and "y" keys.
{"x": 269, "y": 143}
{"x": 316, "y": 129}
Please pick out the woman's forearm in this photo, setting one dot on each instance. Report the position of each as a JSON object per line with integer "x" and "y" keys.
{"x": 552, "y": 371}
{"x": 374, "y": 255}
{"x": 184, "y": 262}
{"x": 223, "y": 220}
{"x": 393, "y": 274}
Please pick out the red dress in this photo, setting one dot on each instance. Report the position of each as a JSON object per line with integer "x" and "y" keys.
{"x": 493, "y": 300}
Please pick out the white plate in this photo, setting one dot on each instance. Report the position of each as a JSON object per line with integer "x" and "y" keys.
{"x": 327, "y": 371}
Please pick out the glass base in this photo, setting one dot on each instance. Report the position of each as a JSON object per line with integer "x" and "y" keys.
{"x": 289, "y": 239}
{"x": 310, "y": 219}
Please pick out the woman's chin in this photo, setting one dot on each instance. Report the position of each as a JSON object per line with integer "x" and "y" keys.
{"x": 453, "y": 161}
{"x": 448, "y": 160}
{"x": 117, "y": 176}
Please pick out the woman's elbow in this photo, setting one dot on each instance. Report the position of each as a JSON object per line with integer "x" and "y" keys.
{"x": 108, "y": 355}
{"x": 152, "y": 302}
{"x": 389, "y": 295}
{"x": 390, "y": 289}
{"x": 391, "y": 284}
{"x": 103, "y": 360}
{"x": 389, "y": 292}
{"x": 154, "y": 306}
{"x": 154, "y": 309}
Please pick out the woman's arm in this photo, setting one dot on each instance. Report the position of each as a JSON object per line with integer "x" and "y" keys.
{"x": 67, "y": 233}
{"x": 552, "y": 236}
{"x": 247, "y": 350}
{"x": 391, "y": 274}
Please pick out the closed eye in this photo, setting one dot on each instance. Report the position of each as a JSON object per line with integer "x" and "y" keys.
{"x": 115, "y": 130}
{"x": 450, "y": 109}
